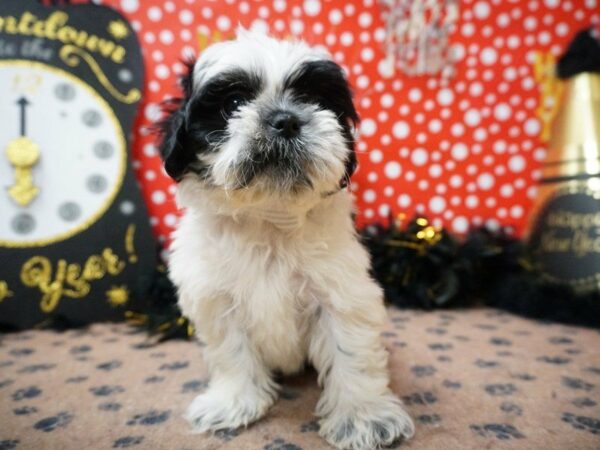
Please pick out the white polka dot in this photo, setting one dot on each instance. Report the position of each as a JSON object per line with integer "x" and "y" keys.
{"x": 471, "y": 201}
{"x": 551, "y": 3}
{"x": 467, "y": 29}
{"x": 387, "y": 100}
{"x": 475, "y": 89}
{"x": 279, "y": 5}
{"x": 376, "y": 156}
{"x": 392, "y": 170}
{"x": 162, "y": 71}
{"x": 516, "y": 163}
{"x": 457, "y": 129}
{"x": 414, "y": 95}
{"x": 223, "y": 23}
{"x": 419, "y": 157}
{"x": 130, "y": 6}
{"x": 503, "y": 20}
{"x": 154, "y": 14}
{"x": 516, "y": 212}
{"x": 152, "y": 112}
{"x": 335, "y": 16}
{"x": 400, "y": 130}
{"x": 437, "y": 204}
{"x": 369, "y": 196}
{"x": 488, "y": 56}
{"x": 506, "y": 190}
{"x": 404, "y": 200}
{"x": 367, "y": 54}
{"x": 532, "y": 127}
{"x": 472, "y": 117}
{"x": 384, "y": 210}
{"x": 502, "y": 112}
{"x": 385, "y": 67}
{"x": 346, "y": 38}
{"x": 435, "y": 125}
{"x": 365, "y": 19}
{"x": 260, "y": 26}
{"x": 170, "y": 220}
{"x": 485, "y": 181}
{"x": 166, "y": 37}
{"x": 445, "y": 97}
{"x": 158, "y": 197}
{"x": 312, "y": 7}
{"x": 456, "y": 181}
{"x": 186, "y": 17}
{"x": 435, "y": 170}
{"x": 562, "y": 29}
{"x": 149, "y": 150}
{"x": 460, "y": 224}
{"x": 481, "y": 10}
{"x": 368, "y": 127}
{"x": 459, "y": 151}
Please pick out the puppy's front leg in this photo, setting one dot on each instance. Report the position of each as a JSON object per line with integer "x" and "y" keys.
{"x": 357, "y": 409}
{"x": 240, "y": 389}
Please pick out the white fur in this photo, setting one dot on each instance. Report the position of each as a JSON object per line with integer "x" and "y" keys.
{"x": 271, "y": 281}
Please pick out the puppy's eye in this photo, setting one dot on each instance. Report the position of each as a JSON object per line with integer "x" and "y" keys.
{"x": 233, "y": 102}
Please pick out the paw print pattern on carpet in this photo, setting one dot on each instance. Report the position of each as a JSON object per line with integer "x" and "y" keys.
{"x": 227, "y": 434}
{"x": 501, "y": 431}
{"x": 48, "y": 424}
{"x": 280, "y": 444}
{"x": 500, "y": 389}
{"x": 8, "y": 444}
{"x": 25, "y": 410}
{"x": 26, "y": 393}
{"x": 150, "y": 418}
{"x": 577, "y": 383}
{"x": 128, "y": 441}
{"x": 103, "y": 391}
{"x": 472, "y": 375}
{"x": 582, "y": 423}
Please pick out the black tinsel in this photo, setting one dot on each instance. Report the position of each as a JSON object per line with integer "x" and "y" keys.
{"x": 161, "y": 317}
{"x": 486, "y": 268}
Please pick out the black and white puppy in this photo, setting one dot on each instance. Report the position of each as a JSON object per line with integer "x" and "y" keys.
{"x": 266, "y": 259}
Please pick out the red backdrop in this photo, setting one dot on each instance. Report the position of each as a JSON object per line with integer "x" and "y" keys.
{"x": 462, "y": 151}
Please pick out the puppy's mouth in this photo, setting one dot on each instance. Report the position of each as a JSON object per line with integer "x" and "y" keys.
{"x": 277, "y": 163}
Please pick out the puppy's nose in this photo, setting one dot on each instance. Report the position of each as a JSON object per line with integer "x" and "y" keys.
{"x": 285, "y": 124}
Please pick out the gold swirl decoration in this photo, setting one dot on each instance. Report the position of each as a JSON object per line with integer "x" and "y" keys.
{"x": 72, "y": 56}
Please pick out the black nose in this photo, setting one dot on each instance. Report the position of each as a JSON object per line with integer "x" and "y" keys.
{"x": 285, "y": 124}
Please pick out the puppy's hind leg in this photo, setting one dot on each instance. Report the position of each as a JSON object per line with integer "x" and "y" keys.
{"x": 240, "y": 390}
{"x": 357, "y": 409}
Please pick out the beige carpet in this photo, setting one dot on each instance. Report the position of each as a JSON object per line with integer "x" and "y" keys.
{"x": 475, "y": 379}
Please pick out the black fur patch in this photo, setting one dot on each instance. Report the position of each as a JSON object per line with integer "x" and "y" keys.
{"x": 196, "y": 123}
{"x": 323, "y": 83}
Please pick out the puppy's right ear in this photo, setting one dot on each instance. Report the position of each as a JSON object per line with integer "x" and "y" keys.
{"x": 174, "y": 145}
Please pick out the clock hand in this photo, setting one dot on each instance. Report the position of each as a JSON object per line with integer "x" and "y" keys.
{"x": 23, "y": 154}
{"x": 23, "y": 103}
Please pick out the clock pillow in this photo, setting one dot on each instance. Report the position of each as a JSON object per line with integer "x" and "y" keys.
{"x": 75, "y": 240}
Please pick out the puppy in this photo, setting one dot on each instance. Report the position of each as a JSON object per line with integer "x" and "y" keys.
{"x": 265, "y": 258}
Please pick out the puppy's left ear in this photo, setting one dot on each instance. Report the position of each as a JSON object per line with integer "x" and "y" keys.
{"x": 353, "y": 121}
{"x": 174, "y": 146}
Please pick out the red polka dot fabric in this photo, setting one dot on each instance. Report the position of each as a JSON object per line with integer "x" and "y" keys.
{"x": 464, "y": 151}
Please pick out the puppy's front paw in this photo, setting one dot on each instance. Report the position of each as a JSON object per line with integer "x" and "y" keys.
{"x": 368, "y": 426}
{"x": 217, "y": 410}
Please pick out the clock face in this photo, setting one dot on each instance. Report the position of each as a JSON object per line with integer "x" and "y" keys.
{"x": 62, "y": 154}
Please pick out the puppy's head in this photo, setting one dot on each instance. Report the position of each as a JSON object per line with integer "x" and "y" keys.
{"x": 261, "y": 115}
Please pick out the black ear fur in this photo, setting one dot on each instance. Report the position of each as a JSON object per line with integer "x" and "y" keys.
{"x": 174, "y": 147}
